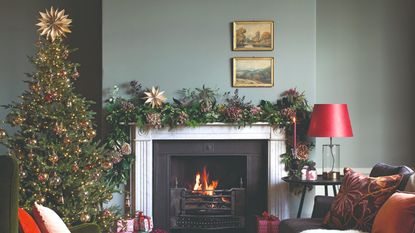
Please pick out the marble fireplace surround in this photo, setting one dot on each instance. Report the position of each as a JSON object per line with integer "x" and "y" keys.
{"x": 142, "y": 180}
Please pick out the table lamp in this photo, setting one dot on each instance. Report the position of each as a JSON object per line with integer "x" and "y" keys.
{"x": 330, "y": 120}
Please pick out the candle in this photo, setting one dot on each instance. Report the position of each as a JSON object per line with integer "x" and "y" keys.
{"x": 295, "y": 135}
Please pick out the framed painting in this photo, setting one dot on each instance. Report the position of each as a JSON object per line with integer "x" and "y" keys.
{"x": 253, "y": 35}
{"x": 253, "y": 72}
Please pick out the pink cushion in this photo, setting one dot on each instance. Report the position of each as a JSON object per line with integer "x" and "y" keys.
{"x": 48, "y": 221}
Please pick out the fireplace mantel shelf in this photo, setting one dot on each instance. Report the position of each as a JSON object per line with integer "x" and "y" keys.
{"x": 143, "y": 146}
{"x": 212, "y": 131}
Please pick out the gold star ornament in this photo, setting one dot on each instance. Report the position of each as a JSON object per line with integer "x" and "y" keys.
{"x": 154, "y": 97}
{"x": 54, "y": 24}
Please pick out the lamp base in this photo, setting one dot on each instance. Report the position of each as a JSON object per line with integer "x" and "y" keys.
{"x": 331, "y": 175}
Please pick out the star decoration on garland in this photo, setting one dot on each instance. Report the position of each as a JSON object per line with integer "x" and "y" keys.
{"x": 54, "y": 24}
{"x": 155, "y": 97}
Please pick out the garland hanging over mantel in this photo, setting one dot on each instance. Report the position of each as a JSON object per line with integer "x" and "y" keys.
{"x": 148, "y": 109}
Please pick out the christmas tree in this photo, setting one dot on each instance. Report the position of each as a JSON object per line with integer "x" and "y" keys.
{"x": 61, "y": 166}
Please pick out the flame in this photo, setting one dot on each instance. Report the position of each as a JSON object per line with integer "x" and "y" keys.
{"x": 203, "y": 186}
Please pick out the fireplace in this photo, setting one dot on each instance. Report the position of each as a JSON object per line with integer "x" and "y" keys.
{"x": 213, "y": 185}
{"x": 152, "y": 163}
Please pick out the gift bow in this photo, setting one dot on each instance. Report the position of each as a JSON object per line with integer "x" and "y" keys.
{"x": 268, "y": 216}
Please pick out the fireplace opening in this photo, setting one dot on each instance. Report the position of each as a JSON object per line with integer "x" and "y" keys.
{"x": 209, "y": 186}
{"x": 207, "y": 192}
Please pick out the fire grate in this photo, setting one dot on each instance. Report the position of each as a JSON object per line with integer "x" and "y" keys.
{"x": 221, "y": 209}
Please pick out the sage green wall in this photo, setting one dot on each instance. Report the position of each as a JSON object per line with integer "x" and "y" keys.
{"x": 187, "y": 43}
{"x": 365, "y": 58}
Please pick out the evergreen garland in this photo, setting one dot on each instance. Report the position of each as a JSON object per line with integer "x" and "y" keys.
{"x": 199, "y": 106}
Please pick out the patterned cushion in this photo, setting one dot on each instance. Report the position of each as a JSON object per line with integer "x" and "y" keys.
{"x": 359, "y": 199}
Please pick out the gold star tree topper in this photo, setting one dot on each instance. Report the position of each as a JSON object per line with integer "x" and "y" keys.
{"x": 155, "y": 97}
{"x": 54, "y": 24}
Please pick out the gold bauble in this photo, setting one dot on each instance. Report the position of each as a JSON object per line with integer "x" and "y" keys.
{"x": 107, "y": 165}
{"x": 18, "y": 120}
{"x": 31, "y": 141}
{"x": 35, "y": 87}
{"x": 78, "y": 150}
{"x": 90, "y": 133}
{"x": 53, "y": 158}
{"x": 66, "y": 140}
{"x": 84, "y": 123}
{"x": 40, "y": 199}
{"x": 3, "y": 134}
{"x": 85, "y": 217}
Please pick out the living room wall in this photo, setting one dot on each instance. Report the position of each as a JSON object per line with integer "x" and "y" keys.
{"x": 187, "y": 43}
{"x": 365, "y": 58}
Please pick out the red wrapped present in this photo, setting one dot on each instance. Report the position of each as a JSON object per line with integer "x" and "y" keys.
{"x": 267, "y": 223}
{"x": 125, "y": 226}
{"x": 142, "y": 222}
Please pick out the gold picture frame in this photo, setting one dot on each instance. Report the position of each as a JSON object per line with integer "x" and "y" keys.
{"x": 253, "y": 72}
{"x": 253, "y": 36}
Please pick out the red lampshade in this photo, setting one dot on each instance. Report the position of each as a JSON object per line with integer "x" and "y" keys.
{"x": 330, "y": 120}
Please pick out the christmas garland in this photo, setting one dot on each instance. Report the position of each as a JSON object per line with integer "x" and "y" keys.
{"x": 194, "y": 107}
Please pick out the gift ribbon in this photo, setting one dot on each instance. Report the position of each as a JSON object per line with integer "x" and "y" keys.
{"x": 142, "y": 217}
{"x": 269, "y": 218}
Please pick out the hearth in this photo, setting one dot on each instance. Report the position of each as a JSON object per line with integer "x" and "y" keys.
{"x": 209, "y": 186}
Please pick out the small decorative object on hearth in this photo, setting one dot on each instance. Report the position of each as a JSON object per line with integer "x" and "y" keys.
{"x": 330, "y": 120}
{"x": 267, "y": 223}
{"x": 142, "y": 223}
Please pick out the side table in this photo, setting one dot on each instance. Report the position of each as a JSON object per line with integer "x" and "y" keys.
{"x": 305, "y": 183}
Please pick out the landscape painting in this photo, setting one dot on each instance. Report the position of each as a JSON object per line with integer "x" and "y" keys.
{"x": 253, "y": 72}
{"x": 253, "y": 35}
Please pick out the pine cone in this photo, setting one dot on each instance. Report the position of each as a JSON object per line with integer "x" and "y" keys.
{"x": 154, "y": 120}
{"x": 127, "y": 106}
{"x": 302, "y": 151}
{"x": 183, "y": 117}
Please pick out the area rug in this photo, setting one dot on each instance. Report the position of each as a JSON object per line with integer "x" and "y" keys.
{"x": 331, "y": 231}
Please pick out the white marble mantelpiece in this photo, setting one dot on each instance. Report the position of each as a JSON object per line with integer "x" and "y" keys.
{"x": 143, "y": 146}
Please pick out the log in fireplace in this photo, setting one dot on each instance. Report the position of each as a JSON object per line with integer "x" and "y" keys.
{"x": 209, "y": 186}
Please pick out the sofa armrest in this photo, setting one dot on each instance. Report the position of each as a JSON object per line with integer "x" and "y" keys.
{"x": 321, "y": 206}
{"x": 85, "y": 228}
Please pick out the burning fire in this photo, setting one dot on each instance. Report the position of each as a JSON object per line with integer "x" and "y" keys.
{"x": 202, "y": 186}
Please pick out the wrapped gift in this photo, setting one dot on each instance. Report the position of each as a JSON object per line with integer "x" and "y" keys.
{"x": 267, "y": 223}
{"x": 125, "y": 226}
{"x": 142, "y": 222}
{"x": 311, "y": 175}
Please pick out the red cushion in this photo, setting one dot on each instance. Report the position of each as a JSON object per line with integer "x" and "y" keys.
{"x": 397, "y": 215}
{"x": 359, "y": 199}
{"x": 26, "y": 222}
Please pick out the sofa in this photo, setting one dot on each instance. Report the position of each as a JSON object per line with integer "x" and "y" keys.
{"x": 9, "y": 199}
{"x": 322, "y": 203}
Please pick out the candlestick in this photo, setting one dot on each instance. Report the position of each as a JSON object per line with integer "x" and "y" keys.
{"x": 295, "y": 136}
